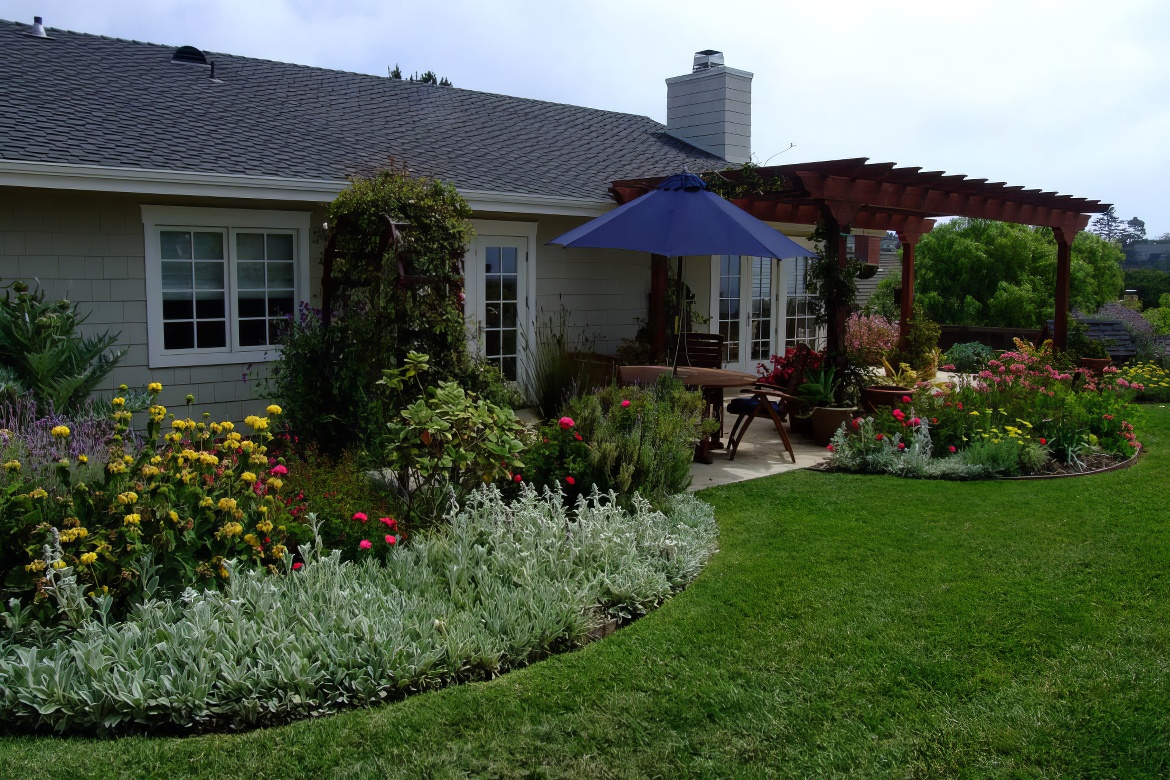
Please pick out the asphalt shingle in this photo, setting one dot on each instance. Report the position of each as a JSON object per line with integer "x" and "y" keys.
{"x": 89, "y": 99}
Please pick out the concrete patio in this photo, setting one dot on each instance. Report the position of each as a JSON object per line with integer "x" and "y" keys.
{"x": 760, "y": 454}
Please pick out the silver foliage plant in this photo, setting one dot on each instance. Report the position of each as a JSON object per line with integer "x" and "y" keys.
{"x": 501, "y": 587}
{"x": 864, "y": 453}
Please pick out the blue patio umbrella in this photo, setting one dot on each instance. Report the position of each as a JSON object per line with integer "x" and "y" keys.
{"x": 682, "y": 217}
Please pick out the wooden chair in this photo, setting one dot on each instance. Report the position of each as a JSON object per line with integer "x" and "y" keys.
{"x": 765, "y": 399}
{"x": 705, "y": 350}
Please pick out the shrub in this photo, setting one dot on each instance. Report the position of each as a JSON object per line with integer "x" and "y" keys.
{"x": 638, "y": 440}
{"x": 445, "y": 445}
{"x": 44, "y": 354}
{"x": 501, "y": 587}
{"x": 158, "y": 517}
{"x": 1153, "y": 379}
{"x": 921, "y": 341}
{"x": 868, "y": 338}
{"x": 555, "y": 374}
{"x": 970, "y": 357}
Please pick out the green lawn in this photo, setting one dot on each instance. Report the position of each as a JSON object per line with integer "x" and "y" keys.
{"x": 850, "y": 626}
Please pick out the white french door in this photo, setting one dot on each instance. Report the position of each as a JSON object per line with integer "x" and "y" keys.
{"x": 745, "y": 299}
{"x": 498, "y": 303}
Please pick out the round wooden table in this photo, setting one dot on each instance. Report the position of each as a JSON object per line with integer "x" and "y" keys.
{"x": 702, "y": 378}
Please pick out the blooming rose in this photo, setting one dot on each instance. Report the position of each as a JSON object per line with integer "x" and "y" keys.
{"x": 566, "y": 423}
{"x": 901, "y": 445}
{"x": 365, "y": 544}
{"x": 518, "y": 478}
{"x": 391, "y": 540}
{"x": 906, "y": 399}
{"x": 361, "y": 517}
{"x": 951, "y": 449}
{"x": 625, "y": 402}
{"x": 279, "y": 469}
{"x": 570, "y": 480}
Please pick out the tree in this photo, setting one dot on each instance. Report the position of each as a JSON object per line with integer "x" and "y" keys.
{"x": 429, "y": 77}
{"x": 1134, "y": 230}
{"x": 1150, "y": 284}
{"x": 1108, "y": 225}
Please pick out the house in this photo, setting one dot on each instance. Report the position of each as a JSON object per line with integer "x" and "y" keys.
{"x": 179, "y": 195}
{"x": 1152, "y": 254}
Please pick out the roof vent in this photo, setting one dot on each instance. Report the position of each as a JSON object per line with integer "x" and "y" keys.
{"x": 189, "y": 55}
{"x": 38, "y": 29}
{"x": 707, "y": 58}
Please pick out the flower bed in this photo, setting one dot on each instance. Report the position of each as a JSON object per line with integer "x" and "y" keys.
{"x": 502, "y": 586}
{"x": 1021, "y": 415}
{"x": 1153, "y": 379}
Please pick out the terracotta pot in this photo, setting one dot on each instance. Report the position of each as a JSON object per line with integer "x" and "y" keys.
{"x": 827, "y": 419}
{"x": 883, "y": 395}
{"x": 1096, "y": 365}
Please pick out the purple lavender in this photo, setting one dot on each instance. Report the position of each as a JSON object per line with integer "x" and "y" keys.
{"x": 25, "y": 436}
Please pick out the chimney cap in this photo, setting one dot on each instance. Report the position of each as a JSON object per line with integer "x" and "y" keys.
{"x": 707, "y": 58}
{"x": 38, "y": 29}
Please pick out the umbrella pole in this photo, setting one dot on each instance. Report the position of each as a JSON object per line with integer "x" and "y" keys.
{"x": 680, "y": 307}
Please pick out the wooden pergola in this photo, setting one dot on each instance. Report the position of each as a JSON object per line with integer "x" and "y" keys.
{"x": 858, "y": 194}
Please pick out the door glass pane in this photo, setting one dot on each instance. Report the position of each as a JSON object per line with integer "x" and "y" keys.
{"x": 761, "y": 309}
{"x": 501, "y": 304}
{"x": 729, "y": 273}
{"x": 799, "y": 317}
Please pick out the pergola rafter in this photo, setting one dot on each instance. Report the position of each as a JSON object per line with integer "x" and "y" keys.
{"x": 905, "y": 200}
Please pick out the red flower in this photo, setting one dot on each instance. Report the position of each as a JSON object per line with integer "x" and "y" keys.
{"x": 1044, "y": 441}
{"x": 915, "y": 421}
{"x": 901, "y": 445}
{"x": 906, "y": 399}
{"x": 951, "y": 449}
{"x": 297, "y": 566}
{"x": 625, "y": 403}
{"x": 577, "y": 436}
{"x": 830, "y": 448}
{"x": 391, "y": 540}
{"x": 960, "y": 405}
{"x": 879, "y": 437}
{"x": 856, "y": 423}
{"x": 934, "y": 421}
{"x": 361, "y": 517}
{"x": 517, "y": 478}
{"x": 570, "y": 480}
{"x": 899, "y": 415}
{"x": 390, "y": 521}
{"x": 566, "y": 423}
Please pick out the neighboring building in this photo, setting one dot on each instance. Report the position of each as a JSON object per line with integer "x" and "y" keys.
{"x": 1153, "y": 254}
{"x": 179, "y": 195}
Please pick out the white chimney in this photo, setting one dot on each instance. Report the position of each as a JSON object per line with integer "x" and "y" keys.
{"x": 711, "y": 107}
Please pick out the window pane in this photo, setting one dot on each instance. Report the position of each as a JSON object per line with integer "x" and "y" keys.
{"x": 509, "y": 346}
{"x": 177, "y": 306}
{"x": 251, "y": 304}
{"x": 212, "y": 335}
{"x": 508, "y": 366}
{"x": 253, "y": 333}
{"x": 280, "y": 276}
{"x": 509, "y": 315}
{"x": 493, "y": 315}
{"x": 508, "y": 259}
{"x": 210, "y": 306}
{"x": 508, "y": 293}
{"x": 178, "y": 335}
{"x": 209, "y": 276}
{"x": 493, "y": 343}
{"x": 492, "y": 289}
{"x": 176, "y": 276}
{"x": 492, "y": 260}
{"x": 250, "y": 276}
{"x": 249, "y": 246}
{"x": 280, "y": 305}
{"x": 280, "y": 246}
{"x": 277, "y": 330}
{"x": 174, "y": 245}
{"x": 209, "y": 246}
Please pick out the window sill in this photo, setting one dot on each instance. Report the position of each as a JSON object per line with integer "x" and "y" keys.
{"x": 182, "y": 360}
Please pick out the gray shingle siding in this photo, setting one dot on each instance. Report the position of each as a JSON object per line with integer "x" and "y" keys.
{"x": 88, "y": 99}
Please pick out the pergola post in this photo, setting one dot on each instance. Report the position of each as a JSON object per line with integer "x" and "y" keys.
{"x": 1063, "y": 277}
{"x": 909, "y": 241}
{"x": 658, "y": 283}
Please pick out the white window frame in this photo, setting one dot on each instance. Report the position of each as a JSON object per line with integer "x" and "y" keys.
{"x": 745, "y": 362}
{"x": 474, "y": 312}
{"x": 158, "y": 218}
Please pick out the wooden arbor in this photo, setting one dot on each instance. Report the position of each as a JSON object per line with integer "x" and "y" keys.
{"x": 881, "y": 196}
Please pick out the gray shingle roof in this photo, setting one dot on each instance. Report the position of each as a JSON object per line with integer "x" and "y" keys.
{"x": 89, "y": 99}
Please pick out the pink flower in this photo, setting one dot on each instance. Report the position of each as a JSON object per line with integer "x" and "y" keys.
{"x": 915, "y": 421}
{"x": 625, "y": 402}
{"x": 279, "y": 470}
{"x": 566, "y": 423}
{"x": 906, "y": 399}
{"x": 391, "y": 540}
{"x": 365, "y": 544}
{"x": 951, "y": 449}
{"x": 360, "y": 517}
{"x": 570, "y": 480}
{"x": 948, "y": 367}
{"x": 899, "y": 415}
{"x": 901, "y": 445}
{"x": 297, "y": 566}
{"x": 517, "y": 478}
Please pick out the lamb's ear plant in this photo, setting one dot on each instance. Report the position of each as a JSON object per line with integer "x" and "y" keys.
{"x": 501, "y": 586}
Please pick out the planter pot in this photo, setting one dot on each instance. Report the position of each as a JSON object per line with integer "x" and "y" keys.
{"x": 827, "y": 419}
{"x": 883, "y": 395}
{"x": 801, "y": 423}
{"x": 1096, "y": 365}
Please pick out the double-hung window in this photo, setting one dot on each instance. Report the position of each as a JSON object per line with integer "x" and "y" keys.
{"x": 221, "y": 284}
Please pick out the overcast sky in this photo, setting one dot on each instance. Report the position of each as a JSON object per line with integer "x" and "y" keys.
{"x": 1062, "y": 95}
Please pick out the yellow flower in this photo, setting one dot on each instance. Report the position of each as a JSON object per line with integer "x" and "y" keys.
{"x": 157, "y": 459}
{"x": 226, "y": 504}
{"x": 206, "y": 502}
{"x": 83, "y": 458}
{"x": 12, "y": 465}
{"x": 154, "y": 387}
{"x": 133, "y": 519}
{"x": 248, "y": 476}
{"x": 274, "y": 410}
{"x": 116, "y": 467}
{"x": 129, "y": 497}
{"x": 231, "y": 529}
{"x": 150, "y": 471}
{"x": 227, "y": 426}
{"x": 88, "y": 558}
{"x": 264, "y": 526}
{"x": 158, "y": 412}
{"x": 251, "y": 421}
{"x": 118, "y": 402}
{"x": 207, "y": 459}
{"x": 60, "y": 432}
{"x": 173, "y": 515}
{"x": 278, "y": 551}
{"x": 263, "y": 509}
{"x": 37, "y": 565}
{"x": 275, "y": 483}
{"x": 252, "y": 540}
{"x": 38, "y": 493}
{"x": 127, "y": 459}
{"x": 58, "y": 564}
